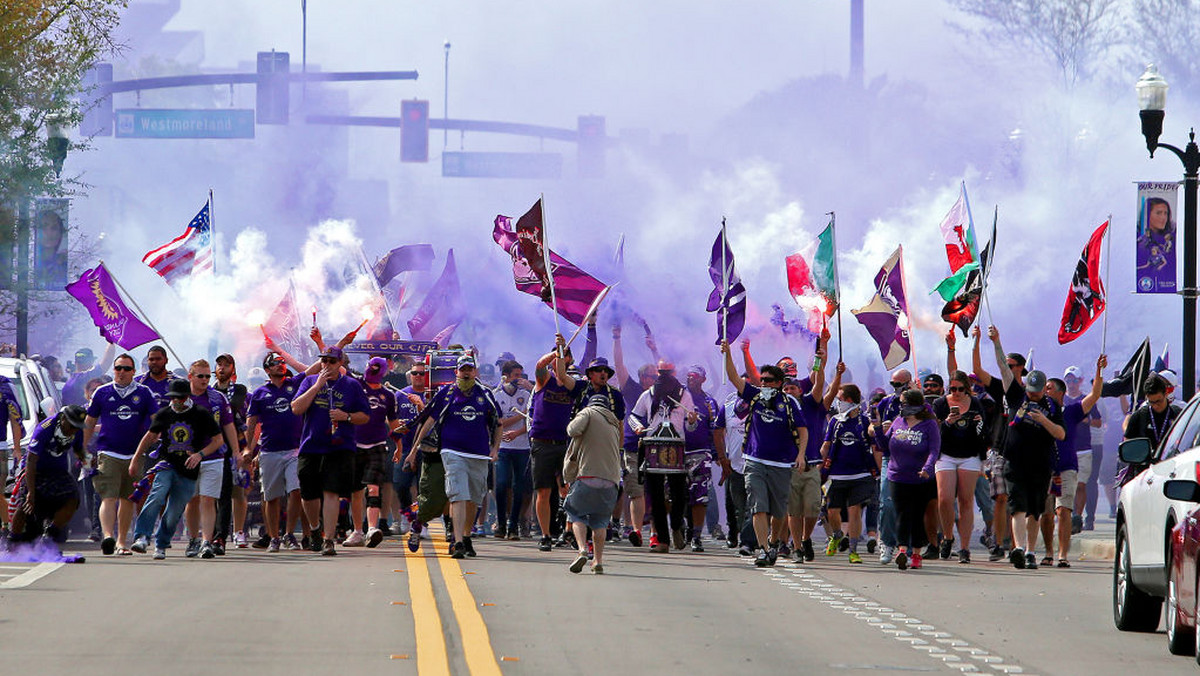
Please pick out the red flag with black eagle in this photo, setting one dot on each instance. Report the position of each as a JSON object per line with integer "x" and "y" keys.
{"x": 1085, "y": 299}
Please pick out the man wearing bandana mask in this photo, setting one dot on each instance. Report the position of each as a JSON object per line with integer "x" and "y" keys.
{"x": 667, "y": 400}
{"x": 45, "y": 489}
{"x": 185, "y": 435}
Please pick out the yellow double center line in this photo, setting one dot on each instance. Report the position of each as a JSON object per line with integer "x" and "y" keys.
{"x": 432, "y": 659}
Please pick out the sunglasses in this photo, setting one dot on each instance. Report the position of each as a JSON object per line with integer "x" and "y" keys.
{"x": 898, "y": 384}
{"x": 769, "y": 380}
{"x": 957, "y": 388}
{"x": 205, "y": 376}
{"x": 418, "y": 373}
{"x": 122, "y": 368}
{"x": 330, "y": 360}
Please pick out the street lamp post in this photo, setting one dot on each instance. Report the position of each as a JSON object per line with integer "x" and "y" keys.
{"x": 1152, "y": 97}
{"x": 57, "y": 143}
{"x": 446, "y": 99}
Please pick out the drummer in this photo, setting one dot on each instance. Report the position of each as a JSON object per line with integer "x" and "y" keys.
{"x": 666, "y": 401}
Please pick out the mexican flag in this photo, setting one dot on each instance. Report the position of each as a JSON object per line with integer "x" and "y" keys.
{"x": 812, "y": 278}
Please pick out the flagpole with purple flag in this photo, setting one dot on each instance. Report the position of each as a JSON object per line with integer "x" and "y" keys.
{"x": 549, "y": 269}
{"x": 370, "y": 269}
{"x": 144, "y": 316}
{"x": 724, "y": 290}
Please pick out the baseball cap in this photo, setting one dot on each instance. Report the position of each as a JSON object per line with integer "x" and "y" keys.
{"x": 1072, "y": 372}
{"x": 333, "y": 352}
{"x": 598, "y": 400}
{"x": 933, "y": 378}
{"x": 1035, "y": 381}
{"x": 465, "y": 360}
{"x": 505, "y": 356}
{"x": 85, "y": 354}
{"x": 697, "y": 369}
{"x": 376, "y": 370}
{"x": 1171, "y": 378}
{"x": 226, "y": 357}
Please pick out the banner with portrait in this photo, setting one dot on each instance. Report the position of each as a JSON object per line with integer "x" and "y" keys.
{"x": 1157, "y": 245}
{"x": 50, "y": 220}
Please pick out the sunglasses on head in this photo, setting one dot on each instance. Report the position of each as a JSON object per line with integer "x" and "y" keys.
{"x": 122, "y": 368}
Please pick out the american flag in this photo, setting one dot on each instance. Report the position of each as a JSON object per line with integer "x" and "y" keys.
{"x": 187, "y": 254}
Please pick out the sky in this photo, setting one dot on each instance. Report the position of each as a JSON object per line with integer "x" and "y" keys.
{"x": 773, "y": 143}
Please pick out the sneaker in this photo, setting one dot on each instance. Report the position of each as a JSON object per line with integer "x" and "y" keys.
{"x": 1031, "y": 561}
{"x": 97, "y": 535}
{"x": 915, "y": 562}
{"x": 902, "y": 561}
{"x": 598, "y": 569}
{"x": 772, "y": 555}
{"x": 140, "y": 544}
{"x": 635, "y": 538}
{"x": 832, "y": 547}
{"x": 660, "y": 548}
{"x": 355, "y": 539}
{"x": 760, "y": 558}
{"x": 545, "y": 544}
{"x": 931, "y": 552}
{"x": 809, "y": 553}
{"x": 784, "y": 550}
{"x": 306, "y": 543}
{"x": 579, "y": 562}
{"x": 887, "y": 554}
{"x": 1076, "y": 525}
{"x": 997, "y": 554}
{"x": 514, "y": 534}
{"x": 414, "y": 538}
{"x": 744, "y": 550}
{"x": 206, "y": 550}
{"x": 964, "y": 556}
{"x": 717, "y": 533}
{"x": 316, "y": 543}
{"x": 677, "y": 539}
{"x": 108, "y": 546}
{"x": 457, "y": 550}
{"x": 468, "y": 548}
{"x": 697, "y": 546}
{"x": 263, "y": 541}
{"x": 844, "y": 544}
{"x": 501, "y": 532}
{"x": 273, "y": 546}
{"x": 289, "y": 542}
{"x": 855, "y": 558}
{"x": 193, "y": 548}
{"x": 374, "y": 537}
{"x": 946, "y": 549}
{"x": 328, "y": 548}
{"x": 218, "y": 546}
{"x": 731, "y": 542}
{"x": 798, "y": 555}
{"x": 1017, "y": 558}
{"x": 159, "y": 553}
{"x": 872, "y": 545}
{"x": 239, "y": 540}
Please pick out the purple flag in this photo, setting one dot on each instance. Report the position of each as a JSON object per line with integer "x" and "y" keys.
{"x": 729, "y": 303}
{"x": 117, "y": 323}
{"x": 575, "y": 289}
{"x": 443, "y": 305}
{"x": 402, "y": 259}
{"x": 886, "y": 316}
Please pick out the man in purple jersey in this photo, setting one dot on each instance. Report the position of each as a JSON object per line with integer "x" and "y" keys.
{"x": 86, "y": 368}
{"x": 330, "y": 404}
{"x": 201, "y": 512}
{"x": 406, "y": 475}
{"x": 275, "y": 441}
{"x": 703, "y": 437}
{"x": 10, "y": 412}
{"x": 633, "y": 488}
{"x": 157, "y": 377}
{"x": 45, "y": 494}
{"x": 371, "y": 456}
{"x": 123, "y": 409}
{"x": 549, "y": 413}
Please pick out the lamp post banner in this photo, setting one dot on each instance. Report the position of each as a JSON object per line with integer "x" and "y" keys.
{"x": 1157, "y": 238}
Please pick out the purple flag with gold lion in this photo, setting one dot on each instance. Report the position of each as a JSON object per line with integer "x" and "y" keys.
{"x": 97, "y": 291}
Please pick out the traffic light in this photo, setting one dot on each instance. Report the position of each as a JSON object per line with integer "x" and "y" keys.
{"x": 414, "y": 131}
{"x": 271, "y": 92}
{"x": 50, "y": 243}
{"x": 590, "y": 146}
{"x": 97, "y": 105}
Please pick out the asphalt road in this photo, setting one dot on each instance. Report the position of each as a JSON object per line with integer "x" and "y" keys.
{"x": 515, "y": 610}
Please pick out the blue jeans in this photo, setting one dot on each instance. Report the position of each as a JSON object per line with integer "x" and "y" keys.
{"x": 983, "y": 498}
{"x": 887, "y": 509}
{"x": 173, "y": 492}
{"x": 512, "y": 474}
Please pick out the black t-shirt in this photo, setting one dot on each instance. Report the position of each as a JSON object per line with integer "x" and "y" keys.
{"x": 1027, "y": 444}
{"x": 237, "y": 394}
{"x": 968, "y": 436}
{"x": 1145, "y": 423}
{"x": 183, "y": 433}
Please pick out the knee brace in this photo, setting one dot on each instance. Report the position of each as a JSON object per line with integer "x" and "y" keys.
{"x": 374, "y": 501}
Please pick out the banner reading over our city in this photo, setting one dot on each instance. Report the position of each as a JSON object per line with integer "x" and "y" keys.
{"x": 1157, "y": 238}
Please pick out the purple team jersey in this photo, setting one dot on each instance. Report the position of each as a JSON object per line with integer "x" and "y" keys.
{"x": 123, "y": 420}
{"x": 382, "y": 403}
{"x": 912, "y": 450}
{"x": 850, "y": 449}
{"x": 550, "y": 411}
{"x": 1073, "y": 420}
{"x": 814, "y": 412}
{"x": 699, "y": 435}
{"x": 215, "y": 402}
{"x": 769, "y": 437}
{"x": 279, "y": 428}
{"x": 158, "y": 387}
{"x": 316, "y": 436}
{"x": 465, "y": 419}
{"x": 406, "y": 412}
{"x": 53, "y": 453}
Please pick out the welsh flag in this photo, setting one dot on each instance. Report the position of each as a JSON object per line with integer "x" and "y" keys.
{"x": 962, "y": 251}
{"x": 812, "y": 279}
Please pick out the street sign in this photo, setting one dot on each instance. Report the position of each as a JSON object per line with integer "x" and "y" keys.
{"x": 501, "y": 165}
{"x": 170, "y": 123}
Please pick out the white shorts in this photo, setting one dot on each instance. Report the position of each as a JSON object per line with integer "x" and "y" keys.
{"x": 279, "y": 473}
{"x": 1085, "y": 468}
{"x": 947, "y": 464}
{"x": 211, "y": 477}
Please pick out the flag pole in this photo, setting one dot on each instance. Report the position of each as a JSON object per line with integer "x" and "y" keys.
{"x": 387, "y": 308}
{"x": 837, "y": 284}
{"x": 212, "y": 233}
{"x": 1107, "y": 261}
{"x": 724, "y": 292}
{"x": 549, "y": 270}
{"x": 987, "y": 300}
{"x": 142, "y": 312}
{"x": 912, "y": 339}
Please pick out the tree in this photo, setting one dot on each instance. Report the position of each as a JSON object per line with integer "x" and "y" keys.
{"x": 1167, "y": 33}
{"x": 1073, "y": 34}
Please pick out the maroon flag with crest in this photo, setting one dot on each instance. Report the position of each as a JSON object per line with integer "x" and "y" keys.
{"x": 1085, "y": 300}
{"x": 575, "y": 289}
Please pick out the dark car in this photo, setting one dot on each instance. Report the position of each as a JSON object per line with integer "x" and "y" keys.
{"x": 1183, "y": 581}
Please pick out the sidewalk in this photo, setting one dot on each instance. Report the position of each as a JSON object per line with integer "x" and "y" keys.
{"x": 1099, "y": 544}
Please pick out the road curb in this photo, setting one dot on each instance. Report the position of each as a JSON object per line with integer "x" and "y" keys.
{"x": 1095, "y": 550}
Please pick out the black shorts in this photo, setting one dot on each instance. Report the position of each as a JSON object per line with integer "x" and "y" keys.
{"x": 50, "y": 497}
{"x": 371, "y": 465}
{"x": 845, "y": 493}
{"x": 546, "y": 461}
{"x": 1027, "y": 489}
{"x": 331, "y": 472}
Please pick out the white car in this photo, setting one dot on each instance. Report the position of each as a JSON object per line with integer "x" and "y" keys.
{"x": 31, "y": 384}
{"x": 1146, "y": 517}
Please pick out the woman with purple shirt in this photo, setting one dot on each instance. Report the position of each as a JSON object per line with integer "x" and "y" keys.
{"x": 912, "y": 444}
